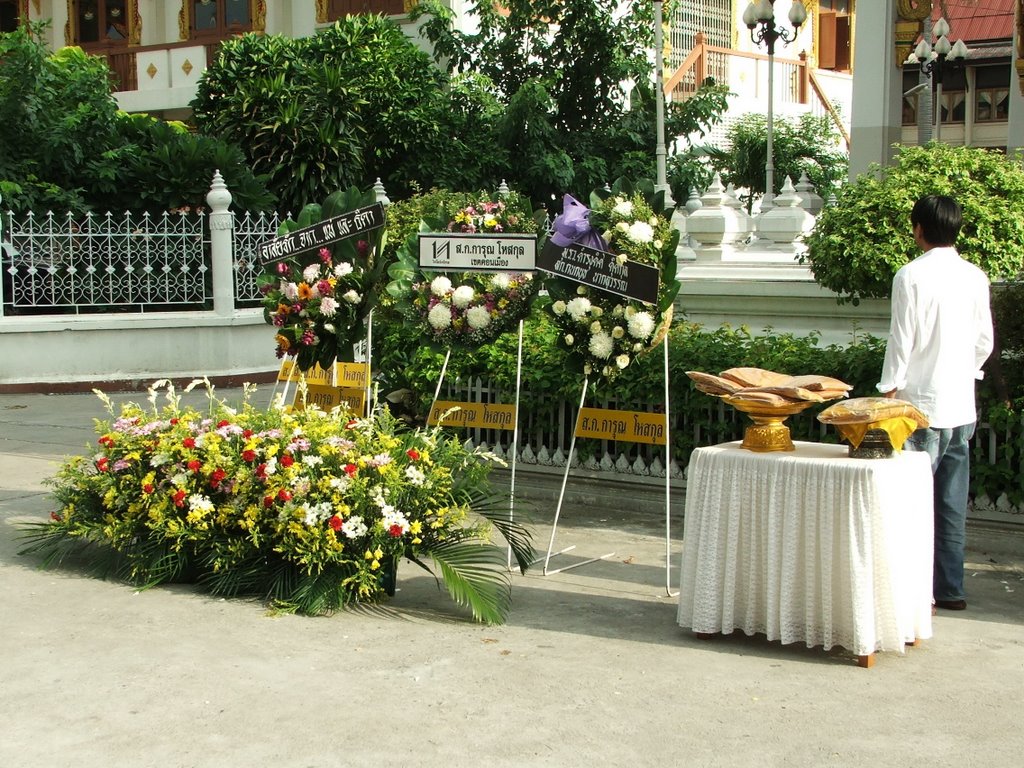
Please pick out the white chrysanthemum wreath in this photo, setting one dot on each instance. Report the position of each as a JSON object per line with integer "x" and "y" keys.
{"x": 603, "y": 331}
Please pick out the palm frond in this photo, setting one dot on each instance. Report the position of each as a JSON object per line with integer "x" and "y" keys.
{"x": 475, "y": 576}
{"x": 494, "y": 508}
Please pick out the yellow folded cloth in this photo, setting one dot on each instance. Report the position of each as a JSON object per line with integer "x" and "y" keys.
{"x": 898, "y": 428}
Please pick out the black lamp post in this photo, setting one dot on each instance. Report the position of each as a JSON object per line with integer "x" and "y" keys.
{"x": 760, "y": 20}
{"x": 933, "y": 59}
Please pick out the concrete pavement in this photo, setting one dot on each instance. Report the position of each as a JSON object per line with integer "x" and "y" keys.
{"x": 591, "y": 668}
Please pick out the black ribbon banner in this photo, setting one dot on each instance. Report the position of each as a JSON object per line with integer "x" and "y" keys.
{"x": 601, "y": 269}
{"x": 328, "y": 231}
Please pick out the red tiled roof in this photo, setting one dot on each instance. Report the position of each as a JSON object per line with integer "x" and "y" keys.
{"x": 976, "y": 20}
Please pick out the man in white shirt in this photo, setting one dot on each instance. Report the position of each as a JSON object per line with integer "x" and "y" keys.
{"x": 939, "y": 337}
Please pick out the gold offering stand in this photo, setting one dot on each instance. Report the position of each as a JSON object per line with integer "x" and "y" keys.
{"x": 769, "y": 431}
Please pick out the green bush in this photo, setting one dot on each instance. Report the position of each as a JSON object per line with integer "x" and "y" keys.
{"x": 859, "y": 244}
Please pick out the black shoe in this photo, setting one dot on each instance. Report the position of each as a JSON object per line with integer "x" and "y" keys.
{"x": 951, "y": 605}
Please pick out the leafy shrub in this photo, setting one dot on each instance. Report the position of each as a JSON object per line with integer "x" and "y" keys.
{"x": 859, "y": 244}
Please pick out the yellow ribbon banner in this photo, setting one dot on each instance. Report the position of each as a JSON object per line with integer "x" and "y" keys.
{"x": 349, "y": 374}
{"x": 627, "y": 426}
{"x": 325, "y": 398}
{"x": 479, "y": 415}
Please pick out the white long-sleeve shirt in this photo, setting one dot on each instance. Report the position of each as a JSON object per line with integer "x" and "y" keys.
{"x": 939, "y": 336}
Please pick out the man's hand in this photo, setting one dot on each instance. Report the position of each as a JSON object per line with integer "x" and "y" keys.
{"x": 891, "y": 393}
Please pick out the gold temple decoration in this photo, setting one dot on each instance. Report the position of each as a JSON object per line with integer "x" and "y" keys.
{"x": 911, "y": 15}
{"x": 151, "y": 70}
{"x": 186, "y": 67}
{"x": 321, "y": 11}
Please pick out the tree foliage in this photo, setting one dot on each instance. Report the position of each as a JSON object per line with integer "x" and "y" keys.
{"x": 859, "y": 244}
{"x": 65, "y": 146}
{"x": 575, "y": 79}
{"x": 355, "y": 102}
{"x": 806, "y": 145}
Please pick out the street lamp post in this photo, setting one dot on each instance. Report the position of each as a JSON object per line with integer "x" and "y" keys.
{"x": 934, "y": 58}
{"x": 661, "y": 183}
{"x": 760, "y": 20}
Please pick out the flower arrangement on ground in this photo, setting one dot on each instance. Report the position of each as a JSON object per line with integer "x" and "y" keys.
{"x": 307, "y": 509}
{"x": 605, "y": 332}
{"x": 470, "y": 308}
{"x": 317, "y": 300}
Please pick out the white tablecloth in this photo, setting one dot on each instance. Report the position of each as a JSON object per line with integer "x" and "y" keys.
{"x": 808, "y": 545}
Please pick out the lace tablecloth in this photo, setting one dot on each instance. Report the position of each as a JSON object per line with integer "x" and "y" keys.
{"x": 808, "y": 546}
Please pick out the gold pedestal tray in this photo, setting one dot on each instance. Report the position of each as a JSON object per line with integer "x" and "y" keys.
{"x": 769, "y": 432}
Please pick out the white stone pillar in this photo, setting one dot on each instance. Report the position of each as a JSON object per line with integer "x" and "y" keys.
{"x": 222, "y": 223}
{"x": 876, "y": 118}
{"x": 1015, "y": 127}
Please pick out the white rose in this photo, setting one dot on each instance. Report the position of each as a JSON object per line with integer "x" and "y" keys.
{"x": 439, "y": 317}
{"x": 569, "y": 339}
{"x": 587, "y": 369}
{"x": 622, "y": 227}
{"x": 638, "y": 347}
{"x": 622, "y": 361}
{"x": 595, "y": 326}
{"x": 478, "y": 317}
{"x": 596, "y": 311}
{"x": 581, "y": 290}
{"x": 618, "y": 332}
{"x": 440, "y": 286}
{"x": 462, "y": 296}
{"x": 558, "y": 307}
{"x": 659, "y": 244}
{"x": 352, "y": 297}
{"x": 621, "y": 259}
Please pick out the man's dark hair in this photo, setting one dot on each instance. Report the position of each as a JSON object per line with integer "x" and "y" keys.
{"x": 940, "y": 218}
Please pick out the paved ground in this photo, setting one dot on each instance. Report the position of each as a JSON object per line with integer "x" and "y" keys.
{"x": 591, "y": 669}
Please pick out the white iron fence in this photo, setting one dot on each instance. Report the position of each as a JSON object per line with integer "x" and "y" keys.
{"x": 55, "y": 264}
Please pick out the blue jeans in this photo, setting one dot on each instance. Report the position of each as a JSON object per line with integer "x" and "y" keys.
{"x": 951, "y": 469}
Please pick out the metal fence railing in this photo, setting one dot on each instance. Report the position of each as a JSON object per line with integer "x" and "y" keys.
{"x": 60, "y": 264}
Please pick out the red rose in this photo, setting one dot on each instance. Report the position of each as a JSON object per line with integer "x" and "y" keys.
{"x": 413, "y": 454}
{"x": 147, "y": 488}
{"x": 222, "y": 423}
{"x": 287, "y": 460}
{"x": 101, "y": 463}
{"x": 107, "y": 441}
{"x": 195, "y": 465}
{"x": 335, "y": 523}
{"x": 218, "y": 475}
{"x": 268, "y": 501}
{"x": 246, "y": 433}
{"x": 55, "y": 516}
{"x": 179, "y": 499}
{"x": 351, "y": 469}
{"x": 173, "y": 422}
{"x": 249, "y": 456}
{"x": 284, "y": 495}
{"x": 395, "y": 530}
{"x": 189, "y": 442}
{"x": 261, "y": 471}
